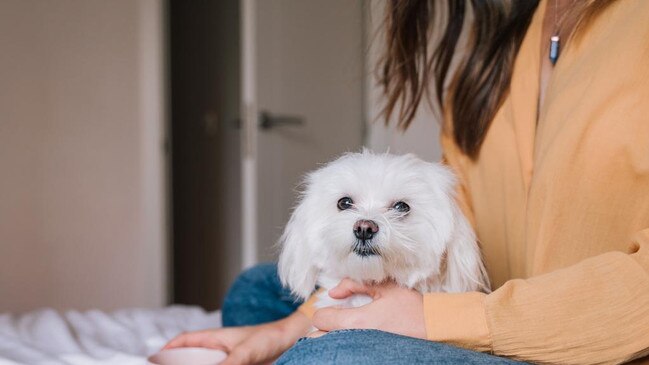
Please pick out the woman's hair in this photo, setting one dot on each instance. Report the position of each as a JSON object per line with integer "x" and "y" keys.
{"x": 481, "y": 81}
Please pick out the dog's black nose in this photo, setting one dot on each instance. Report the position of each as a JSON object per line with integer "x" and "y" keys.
{"x": 365, "y": 229}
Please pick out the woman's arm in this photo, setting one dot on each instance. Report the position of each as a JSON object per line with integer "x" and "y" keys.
{"x": 595, "y": 312}
{"x": 259, "y": 344}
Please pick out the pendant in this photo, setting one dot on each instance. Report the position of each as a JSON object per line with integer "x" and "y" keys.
{"x": 554, "y": 49}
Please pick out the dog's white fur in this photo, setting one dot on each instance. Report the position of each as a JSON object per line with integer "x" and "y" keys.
{"x": 430, "y": 248}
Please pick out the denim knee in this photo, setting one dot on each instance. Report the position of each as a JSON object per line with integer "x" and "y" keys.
{"x": 260, "y": 275}
{"x": 345, "y": 347}
{"x": 361, "y": 347}
{"x": 257, "y": 296}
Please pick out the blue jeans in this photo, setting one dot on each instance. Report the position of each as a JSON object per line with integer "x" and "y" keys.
{"x": 257, "y": 296}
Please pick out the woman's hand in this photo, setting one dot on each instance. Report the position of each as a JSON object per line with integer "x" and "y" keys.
{"x": 251, "y": 344}
{"x": 393, "y": 309}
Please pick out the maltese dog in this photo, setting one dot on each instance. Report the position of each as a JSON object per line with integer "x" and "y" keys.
{"x": 375, "y": 217}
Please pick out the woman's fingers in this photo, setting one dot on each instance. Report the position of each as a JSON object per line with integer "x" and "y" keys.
{"x": 239, "y": 355}
{"x": 260, "y": 348}
{"x": 316, "y": 334}
{"x": 348, "y": 287}
{"x": 259, "y": 344}
{"x": 331, "y": 319}
{"x": 207, "y": 338}
{"x": 179, "y": 341}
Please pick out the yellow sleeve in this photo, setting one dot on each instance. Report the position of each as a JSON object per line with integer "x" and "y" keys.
{"x": 596, "y": 311}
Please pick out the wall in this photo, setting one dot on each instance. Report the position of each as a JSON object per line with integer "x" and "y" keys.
{"x": 82, "y": 208}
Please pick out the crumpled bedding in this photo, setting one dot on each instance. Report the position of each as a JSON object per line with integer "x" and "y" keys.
{"x": 125, "y": 337}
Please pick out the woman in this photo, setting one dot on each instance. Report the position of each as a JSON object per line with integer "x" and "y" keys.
{"x": 552, "y": 151}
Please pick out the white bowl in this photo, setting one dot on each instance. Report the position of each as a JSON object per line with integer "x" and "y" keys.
{"x": 187, "y": 356}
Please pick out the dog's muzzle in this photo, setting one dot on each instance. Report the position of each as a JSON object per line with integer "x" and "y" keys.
{"x": 364, "y": 230}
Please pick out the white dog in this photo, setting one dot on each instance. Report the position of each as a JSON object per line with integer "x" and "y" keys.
{"x": 372, "y": 217}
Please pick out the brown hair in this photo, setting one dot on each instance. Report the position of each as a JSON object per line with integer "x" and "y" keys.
{"x": 481, "y": 82}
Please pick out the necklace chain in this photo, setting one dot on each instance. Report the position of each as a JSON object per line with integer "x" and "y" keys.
{"x": 555, "y": 41}
{"x": 558, "y": 22}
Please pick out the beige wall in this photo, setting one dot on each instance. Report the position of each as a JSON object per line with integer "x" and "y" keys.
{"x": 81, "y": 161}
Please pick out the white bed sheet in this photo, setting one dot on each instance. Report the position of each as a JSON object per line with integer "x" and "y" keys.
{"x": 128, "y": 336}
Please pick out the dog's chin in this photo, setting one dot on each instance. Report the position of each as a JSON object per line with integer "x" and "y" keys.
{"x": 365, "y": 250}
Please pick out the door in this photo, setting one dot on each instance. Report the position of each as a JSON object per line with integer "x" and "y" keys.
{"x": 204, "y": 57}
{"x": 302, "y": 105}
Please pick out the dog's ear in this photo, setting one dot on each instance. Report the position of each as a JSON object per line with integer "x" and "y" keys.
{"x": 296, "y": 268}
{"x": 464, "y": 268}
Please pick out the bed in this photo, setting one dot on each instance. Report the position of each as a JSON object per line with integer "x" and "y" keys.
{"x": 48, "y": 337}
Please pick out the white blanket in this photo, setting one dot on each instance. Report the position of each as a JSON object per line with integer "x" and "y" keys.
{"x": 124, "y": 337}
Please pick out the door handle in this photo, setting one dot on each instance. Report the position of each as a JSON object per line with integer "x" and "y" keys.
{"x": 268, "y": 120}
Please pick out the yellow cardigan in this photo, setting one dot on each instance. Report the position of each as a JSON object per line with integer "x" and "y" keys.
{"x": 561, "y": 207}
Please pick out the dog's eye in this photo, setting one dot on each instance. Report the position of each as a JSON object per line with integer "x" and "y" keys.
{"x": 401, "y": 207}
{"x": 345, "y": 203}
